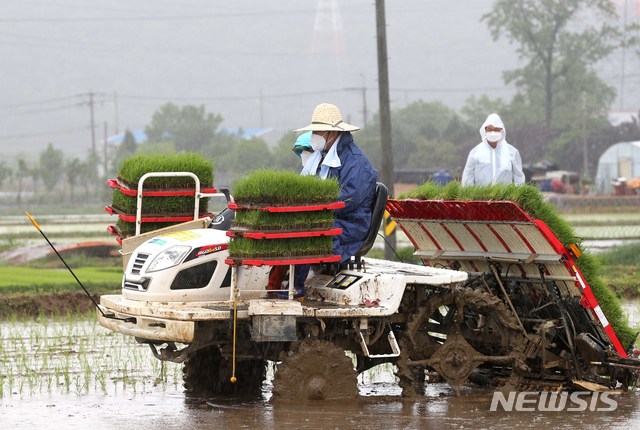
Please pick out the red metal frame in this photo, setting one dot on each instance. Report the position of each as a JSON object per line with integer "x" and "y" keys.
{"x": 284, "y": 235}
{"x": 168, "y": 218}
{"x": 115, "y": 231}
{"x": 308, "y": 208}
{"x": 588, "y": 300}
{"x": 113, "y": 183}
{"x": 282, "y": 261}
{"x": 500, "y": 211}
{"x": 457, "y": 210}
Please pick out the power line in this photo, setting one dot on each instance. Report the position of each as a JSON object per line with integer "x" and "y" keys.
{"x": 450, "y": 90}
{"x": 145, "y": 18}
{"x": 42, "y": 110}
{"x": 44, "y": 133}
{"x": 36, "y": 103}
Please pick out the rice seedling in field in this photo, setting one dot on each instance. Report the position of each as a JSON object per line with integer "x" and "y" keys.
{"x": 71, "y": 355}
{"x": 270, "y": 187}
{"x": 626, "y": 254}
{"x": 530, "y": 199}
{"x": 133, "y": 168}
{"x": 261, "y": 220}
{"x": 280, "y": 248}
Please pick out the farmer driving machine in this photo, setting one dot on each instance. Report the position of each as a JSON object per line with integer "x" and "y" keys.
{"x": 499, "y": 299}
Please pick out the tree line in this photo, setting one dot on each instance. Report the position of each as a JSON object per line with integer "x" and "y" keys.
{"x": 558, "y": 115}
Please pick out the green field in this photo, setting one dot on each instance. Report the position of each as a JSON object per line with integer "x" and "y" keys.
{"x": 23, "y": 279}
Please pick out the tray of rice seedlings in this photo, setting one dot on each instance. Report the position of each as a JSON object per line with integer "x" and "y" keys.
{"x": 281, "y": 251}
{"x": 164, "y": 195}
{"x": 282, "y": 215}
{"x": 531, "y": 200}
{"x": 257, "y": 220}
{"x": 166, "y": 200}
{"x": 169, "y": 205}
{"x": 133, "y": 168}
{"x": 267, "y": 188}
{"x": 117, "y": 186}
{"x": 124, "y": 229}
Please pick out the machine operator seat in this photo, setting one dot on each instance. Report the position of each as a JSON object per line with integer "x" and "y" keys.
{"x": 377, "y": 212}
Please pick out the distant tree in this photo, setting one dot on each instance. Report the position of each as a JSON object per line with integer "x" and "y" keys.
{"x": 558, "y": 82}
{"x": 74, "y": 172}
{"x": 190, "y": 128}
{"x": 596, "y": 143}
{"x": 283, "y": 157}
{"x": 438, "y": 154}
{"x": 51, "y": 166}
{"x": 34, "y": 173}
{"x": 5, "y": 172}
{"x": 22, "y": 171}
{"x": 415, "y": 129}
{"x": 245, "y": 156}
{"x": 476, "y": 109}
{"x": 90, "y": 172}
{"x": 127, "y": 148}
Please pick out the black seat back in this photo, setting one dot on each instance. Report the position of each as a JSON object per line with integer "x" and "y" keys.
{"x": 377, "y": 212}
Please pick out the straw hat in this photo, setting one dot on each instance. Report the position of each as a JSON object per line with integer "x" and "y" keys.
{"x": 327, "y": 117}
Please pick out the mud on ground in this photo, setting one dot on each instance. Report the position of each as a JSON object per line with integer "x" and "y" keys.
{"x": 29, "y": 306}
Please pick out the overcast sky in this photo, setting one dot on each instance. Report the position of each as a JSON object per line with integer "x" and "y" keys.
{"x": 256, "y": 63}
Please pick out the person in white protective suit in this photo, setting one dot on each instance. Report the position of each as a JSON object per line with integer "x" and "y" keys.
{"x": 493, "y": 161}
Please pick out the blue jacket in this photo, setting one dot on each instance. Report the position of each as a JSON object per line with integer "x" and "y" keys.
{"x": 357, "y": 179}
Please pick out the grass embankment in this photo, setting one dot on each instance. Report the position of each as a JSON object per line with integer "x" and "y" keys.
{"x": 620, "y": 270}
{"x": 47, "y": 287}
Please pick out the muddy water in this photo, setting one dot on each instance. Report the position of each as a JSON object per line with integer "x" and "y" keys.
{"x": 77, "y": 375}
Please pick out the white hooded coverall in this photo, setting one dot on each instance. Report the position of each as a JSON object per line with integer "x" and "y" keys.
{"x": 487, "y": 166}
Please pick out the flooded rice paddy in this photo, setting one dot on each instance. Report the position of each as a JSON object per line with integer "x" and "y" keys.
{"x": 76, "y": 374}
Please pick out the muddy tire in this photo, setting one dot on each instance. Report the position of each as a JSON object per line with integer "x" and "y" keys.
{"x": 435, "y": 337}
{"x": 207, "y": 373}
{"x": 315, "y": 370}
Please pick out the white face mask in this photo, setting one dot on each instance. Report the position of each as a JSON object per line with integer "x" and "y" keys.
{"x": 304, "y": 156}
{"x": 317, "y": 142}
{"x": 493, "y": 136}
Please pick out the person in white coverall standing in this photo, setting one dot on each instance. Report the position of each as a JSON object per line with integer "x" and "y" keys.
{"x": 493, "y": 161}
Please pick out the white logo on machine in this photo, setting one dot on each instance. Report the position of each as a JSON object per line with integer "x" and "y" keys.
{"x": 219, "y": 219}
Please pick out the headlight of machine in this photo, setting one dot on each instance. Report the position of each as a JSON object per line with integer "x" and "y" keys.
{"x": 168, "y": 258}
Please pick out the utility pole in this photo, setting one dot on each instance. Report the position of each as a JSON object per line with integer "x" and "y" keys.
{"x": 624, "y": 29}
{"x": 94, "y": 154}
{"x": 363, "y": 91}
{"x": 364, "y": 102}
{"x": 92, "y": 125}
{"x": 115, "y": 113}
{"x": 385, "y": 116}
{"x": 261, "y": 109}
{"x": 105, "y": 164}
{"x": 585, "y": 147}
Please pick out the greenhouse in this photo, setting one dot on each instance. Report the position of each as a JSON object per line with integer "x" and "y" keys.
{"x": 619, "y": 163}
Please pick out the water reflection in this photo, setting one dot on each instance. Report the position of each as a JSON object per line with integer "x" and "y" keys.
{"x": 80, "y": 401}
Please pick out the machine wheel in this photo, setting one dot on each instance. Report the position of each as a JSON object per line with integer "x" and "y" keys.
{"x": 207, "y": 373}
{"x": 315, "y": 370}
{"x": 456, "y": 331}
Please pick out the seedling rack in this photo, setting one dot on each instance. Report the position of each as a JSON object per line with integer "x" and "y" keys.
{"x": 247, "y": 233}
{"x": 197, "y": 192}
{"x": 279, "y": 209}
{"x": 124, "y": 189}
